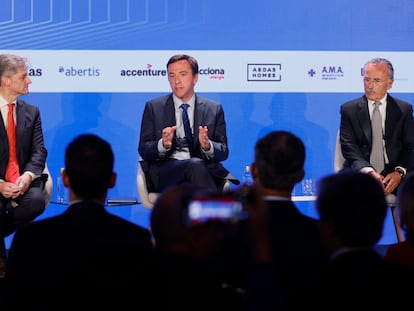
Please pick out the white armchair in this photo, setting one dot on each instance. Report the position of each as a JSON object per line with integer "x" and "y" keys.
{"x": 148, "y": 198}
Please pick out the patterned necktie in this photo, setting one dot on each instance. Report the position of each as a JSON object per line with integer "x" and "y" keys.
{"x": 187, "y": 127}
{"x": 12, "y": 169}
{"x": 377, "y": 151}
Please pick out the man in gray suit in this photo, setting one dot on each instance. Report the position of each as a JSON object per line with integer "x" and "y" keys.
{"x": 27, "y": 190}
{"x": 397, "y": 128}
{"x": 169, "y": 156}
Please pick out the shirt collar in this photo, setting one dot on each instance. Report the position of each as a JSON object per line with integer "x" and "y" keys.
{"x": 178, "y": 102}
{"x": 383, "y": 101}
{"x": 4, "y": 102}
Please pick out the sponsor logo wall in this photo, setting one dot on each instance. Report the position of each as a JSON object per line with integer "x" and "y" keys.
{"x": 219, "y": 71}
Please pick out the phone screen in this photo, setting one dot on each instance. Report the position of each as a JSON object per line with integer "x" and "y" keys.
{"x": 225, "y": 209}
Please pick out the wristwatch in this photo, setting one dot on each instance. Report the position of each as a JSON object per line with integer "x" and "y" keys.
{"x": 400, "y": 171}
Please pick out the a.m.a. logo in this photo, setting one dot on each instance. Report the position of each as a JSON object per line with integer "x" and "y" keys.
{"x": 332, "y": 72}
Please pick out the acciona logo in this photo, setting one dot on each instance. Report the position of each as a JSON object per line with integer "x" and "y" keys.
{"x": 214, "y": 73}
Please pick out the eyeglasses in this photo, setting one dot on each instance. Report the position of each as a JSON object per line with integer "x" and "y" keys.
{"x": 375, "y": 80}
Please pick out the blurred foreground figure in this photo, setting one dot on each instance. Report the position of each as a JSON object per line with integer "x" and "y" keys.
{"x": 352, "y": 209}
{"x": 403, "y": 252}
{"x": 189, "y": 252}
{"x": 297, "y": 252}
{"x": 85, "y": 257}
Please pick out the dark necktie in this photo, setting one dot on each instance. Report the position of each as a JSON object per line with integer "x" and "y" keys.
{"x": 12, "y": 169}
{"x": 187, "y": 127}
{"x": 377, "y": 151}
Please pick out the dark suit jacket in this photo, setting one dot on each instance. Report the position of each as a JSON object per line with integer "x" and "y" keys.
{"x": 85, "y": 255}
{"x": 356, "y": 138}
{"x": 31, "y": 151}
{"x": 360, "y": 279}
{"x": 297, "y": 252}
{"x": 160, "y": 113}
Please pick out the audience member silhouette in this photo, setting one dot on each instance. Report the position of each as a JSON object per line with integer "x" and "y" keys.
{"x": 85, "y": 257}
{"x": 403, "y": 252}
{"x": 352, "y": 209}
{"x": 263, "y": 287}
{"x": 297, "y": 252}
{"x": 194, "y": 258}
{"x": 188, "y": 253}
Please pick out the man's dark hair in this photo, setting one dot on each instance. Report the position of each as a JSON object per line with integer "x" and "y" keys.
{"x": 89, "y": 163}
{"x": 279, "y": 158}
{"x": 356, "y": 205}
{"x": 191, "y": 60}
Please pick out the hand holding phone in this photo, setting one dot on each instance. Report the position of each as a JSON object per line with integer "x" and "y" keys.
{"x": 223, "y": 208}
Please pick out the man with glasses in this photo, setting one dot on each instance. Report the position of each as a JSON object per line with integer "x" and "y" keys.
{"x": 394, "y": 156}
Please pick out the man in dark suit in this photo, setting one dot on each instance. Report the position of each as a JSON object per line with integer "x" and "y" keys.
{"x": 26, "y": 191}
{"x": 352, "y": 208}
{"x": 356, "y": 134}
{"x": 171, "y": 157}
{"x": 85, "y": 256}
{"x": 297, "y": 250}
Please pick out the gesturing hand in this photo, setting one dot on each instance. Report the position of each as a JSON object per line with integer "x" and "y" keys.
{"x": 203, "y": 137}
{"x": 167, "y": 136}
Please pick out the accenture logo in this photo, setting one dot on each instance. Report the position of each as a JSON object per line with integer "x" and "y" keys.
{"x": 264, "y": 72}
{"x": 148, "y": 71}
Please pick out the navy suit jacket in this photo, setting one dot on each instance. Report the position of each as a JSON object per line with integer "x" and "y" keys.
{"x": 361, "y": 279}
{"x": 31, "y": 151}
{"x": 297, "y": 250}
{"x": 356, "y": 136}
{"x": 160, "y": 113}
{"x": 84, "y": 255}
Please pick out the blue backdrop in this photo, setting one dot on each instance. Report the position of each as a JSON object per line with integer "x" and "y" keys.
{"x": 335, "y": 25}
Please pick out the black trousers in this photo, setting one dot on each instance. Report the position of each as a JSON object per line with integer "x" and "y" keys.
{"x": 173, "y": 172}
{"x": 30, "y": 205}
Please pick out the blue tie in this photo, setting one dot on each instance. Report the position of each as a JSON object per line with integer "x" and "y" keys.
{"x": 187, "y": 127}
